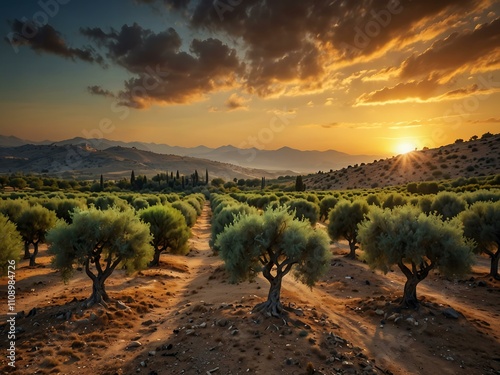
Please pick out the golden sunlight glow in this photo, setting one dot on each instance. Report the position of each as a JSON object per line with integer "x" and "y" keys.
{"x": 405, "y": 147}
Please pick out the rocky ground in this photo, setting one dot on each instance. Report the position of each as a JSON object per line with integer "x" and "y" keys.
{"x": 184, "y": 318}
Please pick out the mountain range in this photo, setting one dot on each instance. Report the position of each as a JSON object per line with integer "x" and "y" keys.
{"x": 283, "y": 159}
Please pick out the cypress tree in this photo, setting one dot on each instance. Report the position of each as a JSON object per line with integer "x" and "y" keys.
{"x": 182, "y": 182}
{"x": 101, "y": 183}
{"x": 206, "y": 176}
{"x": 299, "y": 185}
{"x": 132, "y": 178}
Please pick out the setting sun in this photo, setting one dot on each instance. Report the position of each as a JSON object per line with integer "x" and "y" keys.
{"x": 405, "y": 147}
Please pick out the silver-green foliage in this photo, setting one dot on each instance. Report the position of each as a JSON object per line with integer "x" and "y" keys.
{"x": 482, "y": 224}
{"x": 168, "y": 228}
{"x": 101, "y": 241}
{"x": 10, "y": 244}
{"x": 225, "y": 217}
{"x": 274, "y": 243}
{"x": 448, "y": 204}
{"x": 187, "y": 211}
{"x": 343, "y": 222}
{"x": 305, "y": 210}
{"x": 416, "y": 243}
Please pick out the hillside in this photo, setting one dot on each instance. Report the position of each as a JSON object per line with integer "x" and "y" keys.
{"x": 462, "y": 159}
{"x": 285, "y": 158}
{"x": 83, "y": 161}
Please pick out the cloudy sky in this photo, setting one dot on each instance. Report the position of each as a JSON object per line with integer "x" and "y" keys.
{"x": 362, "y": 77}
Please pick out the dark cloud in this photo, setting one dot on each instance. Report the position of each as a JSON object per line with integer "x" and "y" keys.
{"x": 46, "y": 39}
{"x": 98, "y": 90}
{"x": 164, "y": 73}
{"x": 175, "y": 4}
{"x": 460, "y": 50}
{"x": 296, "y": 41}
{"x": 414, "y": 90}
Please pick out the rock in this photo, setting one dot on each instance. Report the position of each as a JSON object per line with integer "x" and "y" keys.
{"x": 410, "y": 320}
{"x": 221, "y": 322}
{"x": 451, "y": 313}
{"x": 289, "y": 361}
{"x": 83, "y": 322}
{"x": 152, "y": 353}
{"x": 347, "y": 364}
{"x": 234, "y": 332}
{"x": 143, "y": 364}
{"x": 32, "y": 312}
{"x": 134, "y": 344}
{"x": 121, "y": 306}
{"x": 147, "y": 323}
{"x": 392, "y": 317}
{"x": 367, "y": 282}
{"x": 379, "y": 312}
{"x": 482, "y": 284}
{"x": 190, "y": 332}
{"x": 203, "y": 325}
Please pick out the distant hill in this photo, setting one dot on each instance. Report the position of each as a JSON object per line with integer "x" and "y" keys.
{"x": 282, "y": 159}
{"x": 479, "y": 157}
{"x": 84, "y": 161}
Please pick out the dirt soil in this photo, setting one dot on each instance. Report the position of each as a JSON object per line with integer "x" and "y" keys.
{"x": 184, "y": 318}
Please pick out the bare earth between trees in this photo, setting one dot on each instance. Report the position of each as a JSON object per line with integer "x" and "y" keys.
{"x": 183, "y": 317}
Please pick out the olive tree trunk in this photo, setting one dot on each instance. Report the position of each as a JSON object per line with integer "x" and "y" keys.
{"x": 33, "y": 256}
{"x": 272, "y": 306}
{"x": 494, "y": 264}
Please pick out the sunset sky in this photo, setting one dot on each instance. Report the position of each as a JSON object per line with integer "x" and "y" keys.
{"x": 362, "y": 77}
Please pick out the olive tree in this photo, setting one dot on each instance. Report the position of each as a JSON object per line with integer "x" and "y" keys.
{"x": 10, "y": 244}
{"x": 169, "y": 230}
{"x": 100, "y": 241}
{"x": 482, "y": 224}
{"x": 326, "y": 204}
{"x": 343, "y": 222}
{"x": 187, "y": 211}
{"x": 33, "y": 223}
{"x": 448, "y": 204}
{"x": 305, "y": 210}
{"x": 225, "y": 217}
{"x": 417, "y": 243}
{"x": 274, "y": 243}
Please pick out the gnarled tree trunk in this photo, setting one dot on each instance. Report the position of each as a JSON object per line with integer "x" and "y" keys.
{"x": 352, "y": 252}
{"x": 33, "y": 256}
{"x": 272, "y": 306}
{"x": 156, "y": 258}
{"x": 410, "y": 300}
{"x": 26, "y": 250}
{"x": 99, "y": 294}
{"x": 413, "y": 277}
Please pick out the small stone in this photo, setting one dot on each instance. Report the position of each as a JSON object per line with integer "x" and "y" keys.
{"x": 410, "y": 320}
{"x": 392, "y": 317}
{"x": 190, "y": 332}
{"x": 289, "y": 361}
{"x": 152, "y": 353}
{"x": 379, "y": 312}
{"x": 234, "y": 332}
{"x": 32, "y": 312}
{"x": 203, "y": 325}
{"x": 121, "y": 306}
{"x": 134, "y": 344}
{"x": 482, "y": 284}
{"x": 222, "y": 322}
{"x": 367, "y": 282}
{"x": 347, "y": 364}
{"x": 147, "y": 322}
{"x": 451, "y": 313}
{"x": 143, "y": 364}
